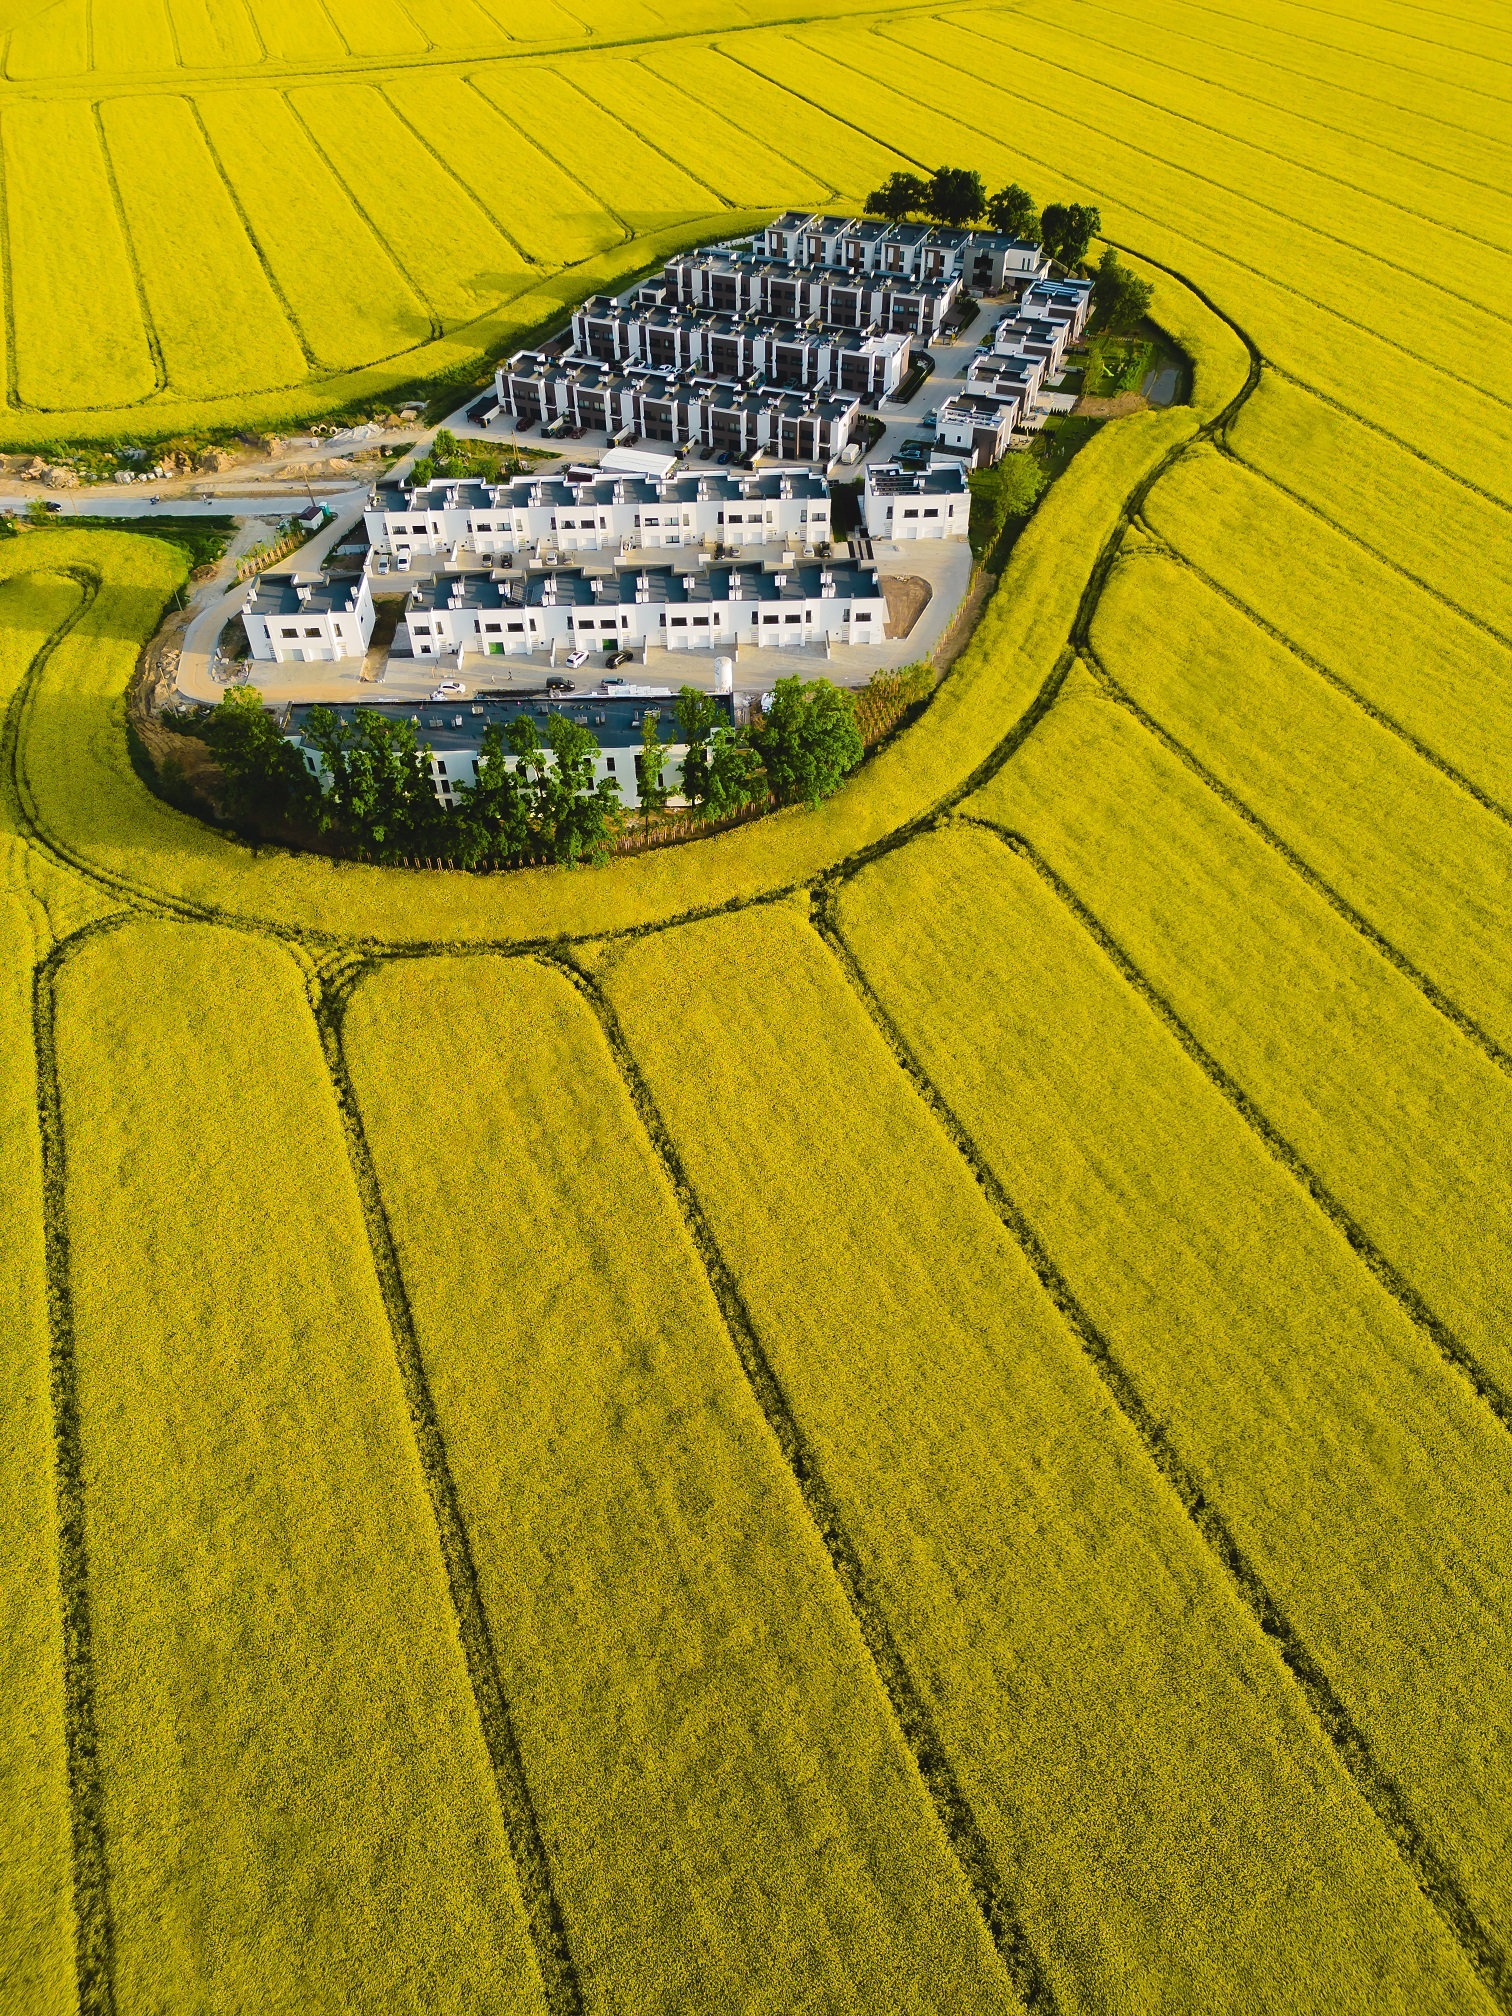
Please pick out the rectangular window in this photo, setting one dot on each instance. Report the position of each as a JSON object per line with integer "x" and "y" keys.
{"x": 679, "y": 622}
{"x": 608, "y": 762}
{"x": 792, "y": 619}
{"x": 768, "y": 619}
{"x": 910, "y": 514}
{"x": 312, "y": 630}
{"x": 421, "y": 629}
{"x": 931, "y": 514}
{"x": 517, "y": 626}
{"x": 863, "y": 615}
{"x": 291, "y": 633}
{"x": 701, "y": 622}
{"x": 494, "y": 626}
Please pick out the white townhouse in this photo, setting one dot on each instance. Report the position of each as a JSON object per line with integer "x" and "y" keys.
{"x": 325, "y": 618}
{"x": 451, "y": 735}
{"x": 586, "y": 511}
{"x": 1068, "y": 301}
{"x": 932, "y": 503}
{"x": 737, "y": 281}
{"x": 869, "y": 362}
{"x": 1031, "y": 336}
{"x": 1014, "y": 380}
{"x": 705, "y": 607}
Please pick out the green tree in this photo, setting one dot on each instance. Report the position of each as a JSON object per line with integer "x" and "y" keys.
{"x": 265, "y": 774}
{"x": 649, "y": 766}
{"x": 379, "y": 794}
{"x": 422, "y": 471}
{"x": 808, "y": 741}
{"x": 901, "y": 196}
{"x": 1122, "y": 298}
{"x": 574, "y": 816}
{"x": 735, "y": 774}
{"x": 1067, "y": 229}
{"x": 1013, "y": 212}
{"x": 955, "y": 196}
{"x": 697, "y": 718}
{"x": 1010, "y": 490}
{"x": 493, "y": 815}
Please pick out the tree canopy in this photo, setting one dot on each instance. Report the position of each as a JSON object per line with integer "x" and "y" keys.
{"x": 901, "y": 196}
{"x": 1013, "y": 211}
{"x": 1067, "y": 229}
{"x": 1122, "y": 298}
{"x": 956, "y": 196}
{"x": 807, "y": 740}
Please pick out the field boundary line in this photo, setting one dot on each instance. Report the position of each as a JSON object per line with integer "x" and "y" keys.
{"x": 1375, "y": 1786}
{"x": 438, "y": 327}
{"x": 536, "y": 268}
{"x": 1367, "y": 706}
{"x": 94, "y": 1925}
{"x": 953, "y": 1809}
{"x": 1430, "y": 990}
{"x": 7, "y": 280}
{"x": 330, "y": 993}
{"x": 538, "y": 146}
{"x": 1286, "y": 286}
{"x": 799, "y": 167}
{"x": 1241, "y": 195}
{"x": 255, "y": 242}
{"x": 139, "y": 278}
{"x": 613, "y": 112}
{"x": 1411, "y": 1302}
{"x": 1270, "y": 105}
{"x": 1263, "y": 475}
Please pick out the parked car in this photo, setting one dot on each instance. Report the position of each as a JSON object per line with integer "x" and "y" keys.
{"x": 618, "y": 658}
{"x": 722, "y": 457}
{"x": 706, "y": 454}
{"x": 53, "y": 506}
{"x": 382, "y": 563}
{"x": 451, "y": 689}
{"x": 613, "y": 679}
{"x": 558, "y": 685}
{"x": 578, "y": 657}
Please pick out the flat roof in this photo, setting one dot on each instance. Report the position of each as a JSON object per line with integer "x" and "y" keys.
{"x": 889, "y": 479}
{"x": 461, "y": 724}
{"x": 327, "y": 595}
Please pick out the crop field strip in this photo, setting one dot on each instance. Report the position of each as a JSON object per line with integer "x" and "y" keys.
{"x": 221, "y": 1508}
{"x": 663, "y": 1523}
{"x": 1167, "y": 1219}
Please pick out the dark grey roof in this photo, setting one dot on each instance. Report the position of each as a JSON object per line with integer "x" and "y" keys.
{"x": 887, "y": 479}
{"x": 460, "y": 725}
{"x": 328, "y": 595}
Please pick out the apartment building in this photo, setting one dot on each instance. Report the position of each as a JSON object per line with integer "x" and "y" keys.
{"x": 867, "y": 362}
{"x": 452, "y": 735}
{"x": 1031, "y": 336}
{"x": 986, "y": 262}
{"x": 589, "y": 512}
{"x": 732, "y": 281}
{"x": 1066, "y": 301}
{"x": 690, "y": 608}
{"x": 1013, "y": 380}
{"x": 679, "y": 407}
{"x": 932, "y": 503}
{"x": 310, "y": 622}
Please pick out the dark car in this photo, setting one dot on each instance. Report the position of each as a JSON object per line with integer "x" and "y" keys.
{"x": 560, "y": 686}
{"x": 618, "y": 658}
{"x": 723, "y": 456}
{"x": 52, "y": 506}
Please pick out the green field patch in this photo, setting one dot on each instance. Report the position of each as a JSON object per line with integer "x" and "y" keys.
{"x": 1134, "y": 1754}
{"x": 301, "y": 1809}
{"x": 1368, "y": 1486}
{"x": 733, "y": 1817}
{"x": 79, "y": 339}
{"x": 548, "y": 213}
{"x": 1396, "y": 839}
{"x": 37, "y": 1906}
{"x": 200, "y": 284}
{"x": 1399, "y": 1115}
{"x": 351, "y": 300}
{"x": 454, "y": 255}
{"x": 1439, "y": 677}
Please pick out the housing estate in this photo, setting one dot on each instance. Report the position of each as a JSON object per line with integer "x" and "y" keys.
{"x": 325, "y": 618}
{"x": 985, "y": 261}
{"x": 869, "y": 362}
{"x": 590, "y": 511}
{"x": 693, "y": 607}
{"x": 932, "y": 503}
{"x": 453, "y": 735}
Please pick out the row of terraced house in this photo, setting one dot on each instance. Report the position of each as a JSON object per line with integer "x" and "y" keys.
{"x": 762, "y": 346}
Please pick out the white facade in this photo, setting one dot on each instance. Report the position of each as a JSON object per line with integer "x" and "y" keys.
{"x": 933, "y": 503}
{"x": 588, "y": 513}
{"x": 310, "y": 622}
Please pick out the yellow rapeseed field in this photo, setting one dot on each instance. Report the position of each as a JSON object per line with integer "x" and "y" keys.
{"x": 907, "y": 1408}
